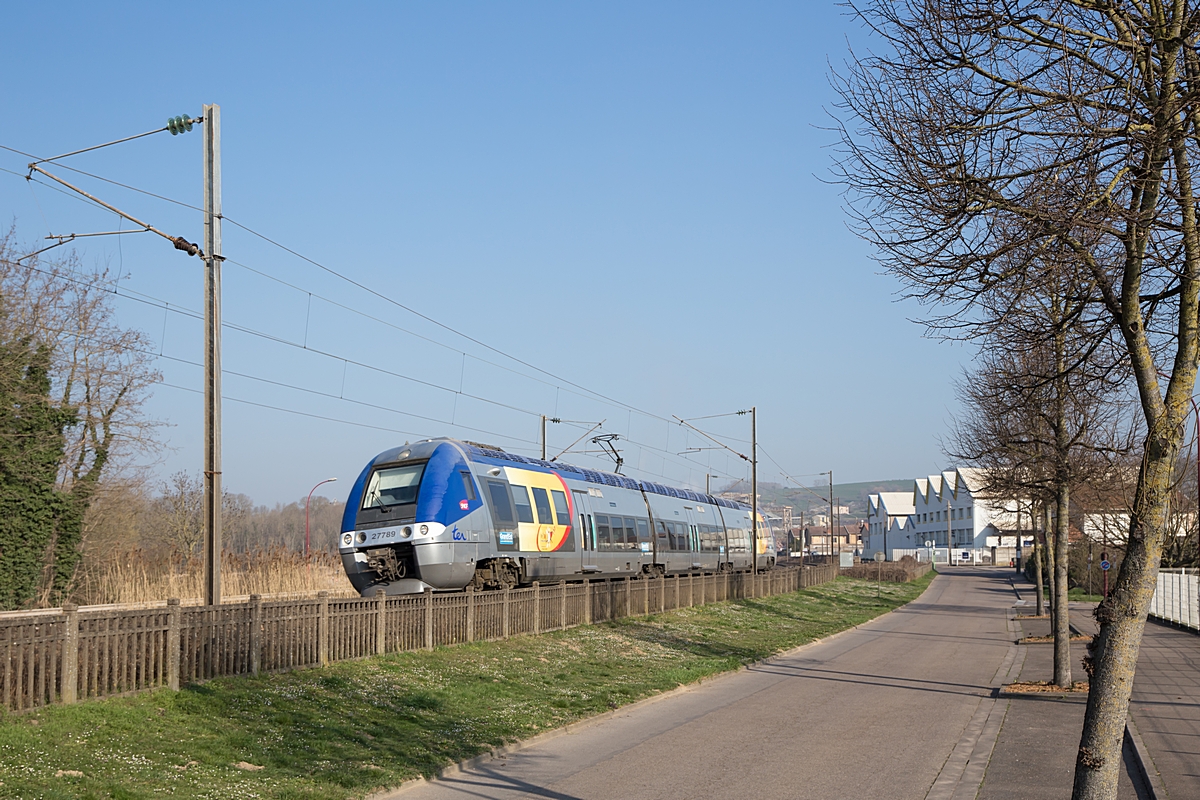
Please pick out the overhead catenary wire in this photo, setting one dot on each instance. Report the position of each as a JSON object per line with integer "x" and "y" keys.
{"x": 380, "y": 295}
{"x": 797, "y": 483}
{"x": 343, "y": 398}
{"x": 168, "y": 307}
{"x": 335, "y": 273}
{"x": 155, "y": 302}
{"x": 292, "y": 410}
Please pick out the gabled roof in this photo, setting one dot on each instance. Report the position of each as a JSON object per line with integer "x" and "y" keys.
{"x": 935, "y": 486}
{"x": 897, "y": 503}
{"x": 971, "y": 477}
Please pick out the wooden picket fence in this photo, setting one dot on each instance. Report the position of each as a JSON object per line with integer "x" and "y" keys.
{"x": 69, "y": 654}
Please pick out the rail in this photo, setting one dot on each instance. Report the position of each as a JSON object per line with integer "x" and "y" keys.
{"x": 70, "y": 654}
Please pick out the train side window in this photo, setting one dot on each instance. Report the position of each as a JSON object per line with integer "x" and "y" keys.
{"x": 631, "y": 537}
{"x": 602, "y": 539}
{"x": 521, "y": 498}
{"x": 542, "y": 501}
{"x": 643, "y": 529}
{"x": 618, "y": 534}
{"x": 561, "y": 512}
{"x": 662, "y": 529}
{"x": 501, "y": 503}
{"x": 468, "y": 485}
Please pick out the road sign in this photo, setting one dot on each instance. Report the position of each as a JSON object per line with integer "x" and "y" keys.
{"x": 880, "y": 556}
{"x": 1106, "y": 565}
{"x": 928, "y": 543}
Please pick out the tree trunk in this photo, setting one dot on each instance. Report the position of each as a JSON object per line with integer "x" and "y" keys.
{"x": 1061, "y": 623}
{"x": 1037, "y": 572}
{"x": 1048, "y": 552}
{"x": 1112, "y": 656}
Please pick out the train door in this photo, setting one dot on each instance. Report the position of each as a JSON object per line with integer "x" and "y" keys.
{"x": 587, "y": 531}
{"x": 693, "y": 537}
{"x": 722, "y": 541}
{"x": 662, "y": 546}
{"x": 766, "y": 543}
{"x": 708, "y": 552}
{"x": 677, "y": 527}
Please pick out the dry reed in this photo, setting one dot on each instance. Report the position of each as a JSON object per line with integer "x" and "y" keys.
{"x": 141, "y": 577}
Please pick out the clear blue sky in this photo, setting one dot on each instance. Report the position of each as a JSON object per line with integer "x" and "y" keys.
{"x": 629, "y": 196}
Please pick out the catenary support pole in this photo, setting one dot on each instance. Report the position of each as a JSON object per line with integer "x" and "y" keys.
{"x": 212, "y": 354}
{"x": 830, "y": 524}
{"x": 754, "y": 480}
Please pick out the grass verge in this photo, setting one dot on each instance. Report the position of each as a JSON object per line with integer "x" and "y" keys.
{"x": 1076, "y": 594}
{"x": 356, "y": 727}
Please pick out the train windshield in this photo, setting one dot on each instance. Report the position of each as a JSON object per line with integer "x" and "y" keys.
{"x": 393, "y": 486}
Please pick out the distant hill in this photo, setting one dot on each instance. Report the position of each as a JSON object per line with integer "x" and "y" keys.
{"x": 853, "y": 495}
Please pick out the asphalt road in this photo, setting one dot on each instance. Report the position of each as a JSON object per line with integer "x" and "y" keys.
{"x": 898, "y": 708}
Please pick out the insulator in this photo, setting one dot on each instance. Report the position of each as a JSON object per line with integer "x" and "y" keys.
{"x": 180, "y": 124}
{"x": 186, "y": 246}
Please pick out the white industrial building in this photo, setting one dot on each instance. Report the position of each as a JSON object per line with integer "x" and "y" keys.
{"x": 944, "y": 511}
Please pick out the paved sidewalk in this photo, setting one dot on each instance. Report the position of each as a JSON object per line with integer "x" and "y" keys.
{"x": 1034, "y": 756}
{"x": 1166, "y": 706}
{"x": 1040, "y": 737}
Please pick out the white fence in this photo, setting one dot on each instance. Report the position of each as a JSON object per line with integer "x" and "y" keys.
{"x": 1177, "y": 598}
{"x": 943, "y": 555}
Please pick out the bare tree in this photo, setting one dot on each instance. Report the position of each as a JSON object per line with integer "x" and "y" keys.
{"x": 1041, "y": 412}
{"x": 986, "y": 130}
{"x": 98, "y": 370}
{"x": 180, "y": 513}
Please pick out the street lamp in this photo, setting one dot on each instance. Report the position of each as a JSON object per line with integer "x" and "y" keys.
{"x": 306, "y": 501}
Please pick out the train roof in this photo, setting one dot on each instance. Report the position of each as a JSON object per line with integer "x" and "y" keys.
{"x": 603, "y": 478}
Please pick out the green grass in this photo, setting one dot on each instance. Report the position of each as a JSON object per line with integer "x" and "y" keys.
{"x": 1076, "y": 593}
{"x": 360, "y": 726}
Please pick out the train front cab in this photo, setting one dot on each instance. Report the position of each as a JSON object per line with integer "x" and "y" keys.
{"x": 413, "y": 520}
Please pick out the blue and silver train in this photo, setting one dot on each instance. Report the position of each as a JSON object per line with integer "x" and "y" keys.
{"x": 444, "y": 514}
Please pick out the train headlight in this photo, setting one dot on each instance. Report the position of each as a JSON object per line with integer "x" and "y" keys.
{"x": 424, "y": 529}
{"x": 407, "y": 531}
{"x": 361, "y": 537}
{"x": 348, "y": 538}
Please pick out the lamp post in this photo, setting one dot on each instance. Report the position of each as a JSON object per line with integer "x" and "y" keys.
{"x": 306, "y": 501}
